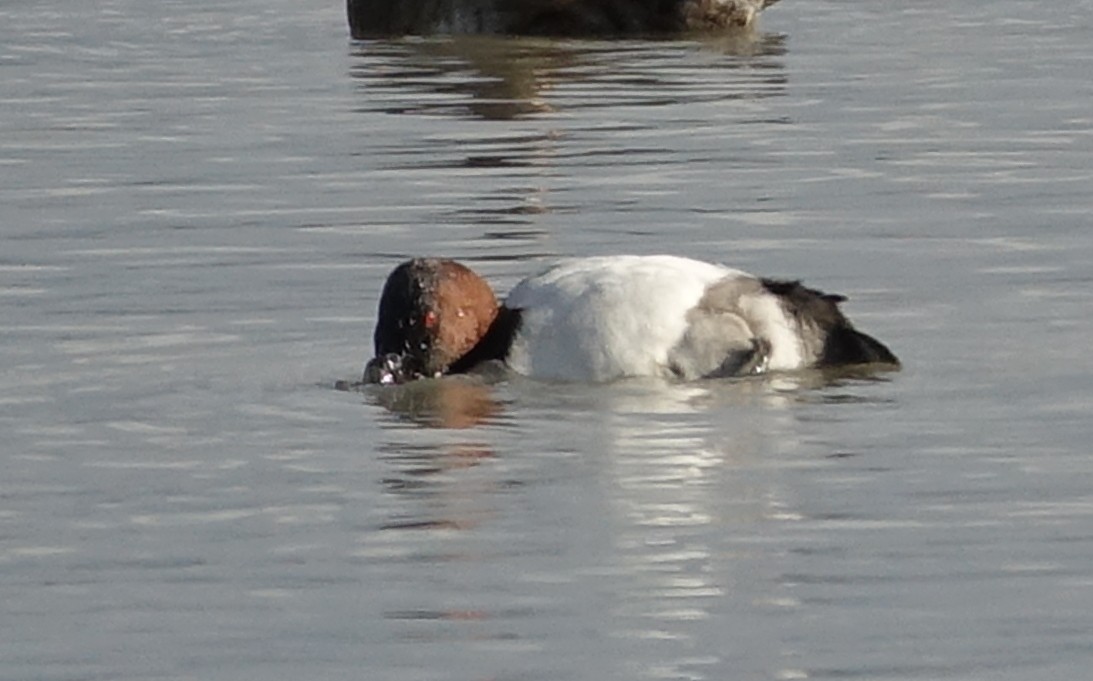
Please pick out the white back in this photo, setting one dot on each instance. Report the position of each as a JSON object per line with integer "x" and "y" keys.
{"x": 607, "y": 317}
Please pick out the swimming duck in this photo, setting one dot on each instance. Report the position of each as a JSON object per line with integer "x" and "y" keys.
{"x": 604, "y": 318}
{"x": 369, "y": 18}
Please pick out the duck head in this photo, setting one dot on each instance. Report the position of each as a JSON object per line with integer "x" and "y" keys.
{"x": 432, "y": 312}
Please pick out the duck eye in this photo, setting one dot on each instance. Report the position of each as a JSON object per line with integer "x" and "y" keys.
{"x": 429, "y": 320}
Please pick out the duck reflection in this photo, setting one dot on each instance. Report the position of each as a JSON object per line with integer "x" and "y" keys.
{"x": 690, "y": 484}
{"x": 632, "y": 509}
{"x": 450, "y": 403}
{"x": 586, "y": 111}
{"x": 421, "y": 460}
{"x": 506, "y": 78}
{"x": 495, "y": 78}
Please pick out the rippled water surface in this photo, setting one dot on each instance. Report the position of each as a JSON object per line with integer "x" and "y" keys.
{"x": 199, "y": 203}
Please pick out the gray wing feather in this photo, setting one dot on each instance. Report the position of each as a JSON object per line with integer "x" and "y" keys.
{"x": 718, "y": 340}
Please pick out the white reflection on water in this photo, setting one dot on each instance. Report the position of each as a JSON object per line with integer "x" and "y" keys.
{"x": 652, "y": 501}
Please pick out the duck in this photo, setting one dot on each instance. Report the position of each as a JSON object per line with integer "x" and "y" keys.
{"x": 605, "y": 318}
{"x": 569, "y": 18}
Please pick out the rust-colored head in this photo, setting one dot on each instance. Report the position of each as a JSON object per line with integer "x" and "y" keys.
{"x": 431, "y": 313}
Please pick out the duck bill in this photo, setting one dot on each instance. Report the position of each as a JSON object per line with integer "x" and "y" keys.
{"x": 390, "y": 369}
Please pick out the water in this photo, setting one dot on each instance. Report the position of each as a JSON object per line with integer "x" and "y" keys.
{"x": 199, "y": 204}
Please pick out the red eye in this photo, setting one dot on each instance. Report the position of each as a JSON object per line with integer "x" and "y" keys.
{"x": 429, "y": 320}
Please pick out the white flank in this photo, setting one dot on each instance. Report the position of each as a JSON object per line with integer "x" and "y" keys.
{"x": 609, "y": 317}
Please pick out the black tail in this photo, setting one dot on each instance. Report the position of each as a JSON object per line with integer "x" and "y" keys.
{"x": 846, "y": 345}
{"x": 842, "y": 343}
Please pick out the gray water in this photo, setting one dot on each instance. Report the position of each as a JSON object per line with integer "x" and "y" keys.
{"x": 199, "y": 203}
